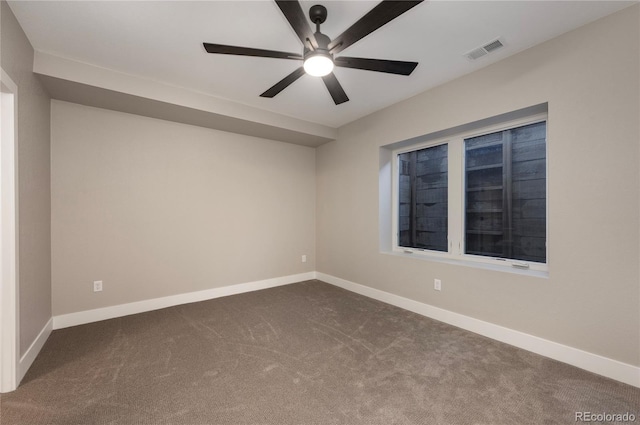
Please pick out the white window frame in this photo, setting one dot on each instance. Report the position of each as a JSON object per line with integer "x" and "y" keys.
{"x": 456, "y": 201}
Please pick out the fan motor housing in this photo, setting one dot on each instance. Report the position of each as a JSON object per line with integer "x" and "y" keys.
{"x": 322, "y": 40}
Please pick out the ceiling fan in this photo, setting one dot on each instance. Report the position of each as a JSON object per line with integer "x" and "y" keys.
{"x": 319, "y": 50}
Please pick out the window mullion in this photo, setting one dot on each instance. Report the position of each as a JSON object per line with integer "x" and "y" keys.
{"x": 507, "y": 213}
{"x": 456, "y": 196}
{"x": 413, "y": 217}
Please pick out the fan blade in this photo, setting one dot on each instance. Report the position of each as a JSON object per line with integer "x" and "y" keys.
{"x": 284, "y": 83}
{"x": 379, "y": 65}
{"x": 384, "y": 12}
{"x": 298, "y": 21}
{"x": 335, "y": 89}
{"x": 247, "y": 51}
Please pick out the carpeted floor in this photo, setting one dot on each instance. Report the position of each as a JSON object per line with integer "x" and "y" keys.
{"x": 307, "y": 353}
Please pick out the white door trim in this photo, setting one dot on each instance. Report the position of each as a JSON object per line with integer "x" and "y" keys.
{"x": 9, "y": 294}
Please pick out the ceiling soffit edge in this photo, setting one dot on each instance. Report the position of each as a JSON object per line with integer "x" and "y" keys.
{"x": 78, "y": 82}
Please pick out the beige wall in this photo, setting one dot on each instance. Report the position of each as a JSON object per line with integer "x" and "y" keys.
{"x": 589, "y": 77}
{"x": 34, "y": 197}
{"x": 155, "y": 208}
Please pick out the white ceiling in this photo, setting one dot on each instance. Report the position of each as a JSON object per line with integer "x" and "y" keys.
{"x": 162, "y": 41}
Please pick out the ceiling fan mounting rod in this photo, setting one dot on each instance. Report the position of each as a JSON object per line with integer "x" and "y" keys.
{"x": 318, "y": 14}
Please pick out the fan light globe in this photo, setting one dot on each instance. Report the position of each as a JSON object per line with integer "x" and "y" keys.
{"x": 318, "y": 65}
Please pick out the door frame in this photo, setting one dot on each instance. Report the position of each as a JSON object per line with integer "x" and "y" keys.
{"x": 9, "y": 293}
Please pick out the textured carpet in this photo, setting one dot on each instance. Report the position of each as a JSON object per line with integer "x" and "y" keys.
{"x": 307, "y": 353}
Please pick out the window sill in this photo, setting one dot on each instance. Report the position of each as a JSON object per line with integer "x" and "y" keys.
{"x": 466, "y": 263}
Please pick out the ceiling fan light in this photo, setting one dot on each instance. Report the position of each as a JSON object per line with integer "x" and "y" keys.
{"x": 318, "y": 65}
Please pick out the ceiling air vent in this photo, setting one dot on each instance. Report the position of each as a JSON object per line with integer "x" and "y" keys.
{"x": 487, "y": 48}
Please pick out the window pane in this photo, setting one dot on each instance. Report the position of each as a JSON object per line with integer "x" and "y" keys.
{"x": 423, "y": 198}
{"x": 505, "y": 194}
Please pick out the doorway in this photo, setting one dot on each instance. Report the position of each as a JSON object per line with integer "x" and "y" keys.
{"x": 8, "y": 241}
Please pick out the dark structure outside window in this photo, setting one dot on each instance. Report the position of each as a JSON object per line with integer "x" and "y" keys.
{"x": 423, "y": 198}
{"x": 505, "y": 194}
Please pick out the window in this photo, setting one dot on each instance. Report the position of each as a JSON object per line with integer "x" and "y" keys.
{"x": 505, "y": 194}
{"x": 423, "y": 198}
{"x": 477, "y": 197}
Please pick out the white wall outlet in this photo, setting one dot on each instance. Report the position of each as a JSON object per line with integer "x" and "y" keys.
{"x": 304, "y": 258}
{"x": 97, "y": 286}
{"x": 437, "y": 284}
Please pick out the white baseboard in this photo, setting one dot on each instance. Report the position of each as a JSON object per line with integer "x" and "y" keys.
{"x": 89, "y": 316}
{"x": 600, "y": 365}
{"x": 32, "y": 352}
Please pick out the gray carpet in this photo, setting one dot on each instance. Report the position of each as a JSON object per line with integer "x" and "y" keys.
{"x": 307, "y": 353}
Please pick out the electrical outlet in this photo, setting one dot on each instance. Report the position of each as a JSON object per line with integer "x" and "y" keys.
{"x": 304, "y": 258}
{"x": 97, "y": 286}
{"x": 437, "y": 284}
